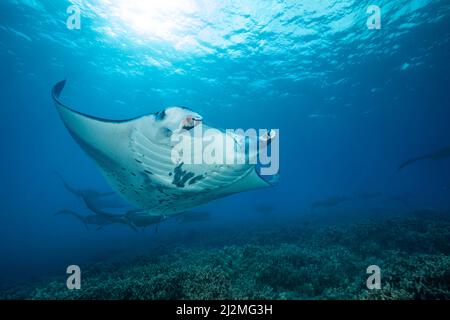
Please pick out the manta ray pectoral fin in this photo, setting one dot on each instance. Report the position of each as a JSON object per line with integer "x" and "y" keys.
{"x": 250, "y": 182}
{"x": 56, "y": 93}
{"x": 97, "y": 136}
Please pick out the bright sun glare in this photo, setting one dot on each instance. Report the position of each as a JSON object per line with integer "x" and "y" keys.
{"x": 154, "y": 19}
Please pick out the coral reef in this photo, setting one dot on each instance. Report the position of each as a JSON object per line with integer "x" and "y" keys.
{"x": 302, "y": 261}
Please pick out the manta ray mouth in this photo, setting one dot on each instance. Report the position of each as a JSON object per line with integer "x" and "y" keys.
{"x": 195, "y": 121}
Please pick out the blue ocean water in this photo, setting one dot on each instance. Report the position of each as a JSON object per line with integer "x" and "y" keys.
{"x": 351, "y": 103}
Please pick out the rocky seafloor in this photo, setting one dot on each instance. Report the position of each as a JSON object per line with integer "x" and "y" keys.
{"x": 302, "y": 259}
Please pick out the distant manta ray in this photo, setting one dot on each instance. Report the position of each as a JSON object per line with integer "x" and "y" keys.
{"x": 99, "y": 220}
{"x": 436, "y": 155}
{"x": 141, "y": 218}
{"x": 328, "y": 203}
{"x": 82, "y": 192}
{"x": 93, "y": 198}
{"x": 135, "y": 156}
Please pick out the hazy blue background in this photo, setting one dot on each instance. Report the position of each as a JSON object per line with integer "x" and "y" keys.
{"x": 350, "y": 103}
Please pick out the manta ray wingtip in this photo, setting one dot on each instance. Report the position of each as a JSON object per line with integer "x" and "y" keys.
{"x": 58, "y": 88}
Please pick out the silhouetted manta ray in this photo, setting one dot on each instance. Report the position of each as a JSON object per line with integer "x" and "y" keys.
{"x": 135, "y": 156}
{"x": 93, "y": 198}
{"x": 82, "y": 192}
{"x": 328, "y": 203}
{"x": 99, "y": 220}
{"x": 436, "y": 155}
{"x": 140, "y": 218}
{"x": 94, "y": 202}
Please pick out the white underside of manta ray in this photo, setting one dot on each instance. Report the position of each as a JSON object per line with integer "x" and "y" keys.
{"x": 135, "y": 157}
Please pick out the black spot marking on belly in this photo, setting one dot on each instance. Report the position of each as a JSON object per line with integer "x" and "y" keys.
{"x": 148, "y": 171}
{"x": 181, "y": 176}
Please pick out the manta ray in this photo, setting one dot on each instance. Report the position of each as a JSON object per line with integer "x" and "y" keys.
{"x": 99, "y": 220}
{"x": 93, "y": 198}
{"x": 135, "y": 156}
{"x": 329, "y": 202}
{"x": 436, "y": 155}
